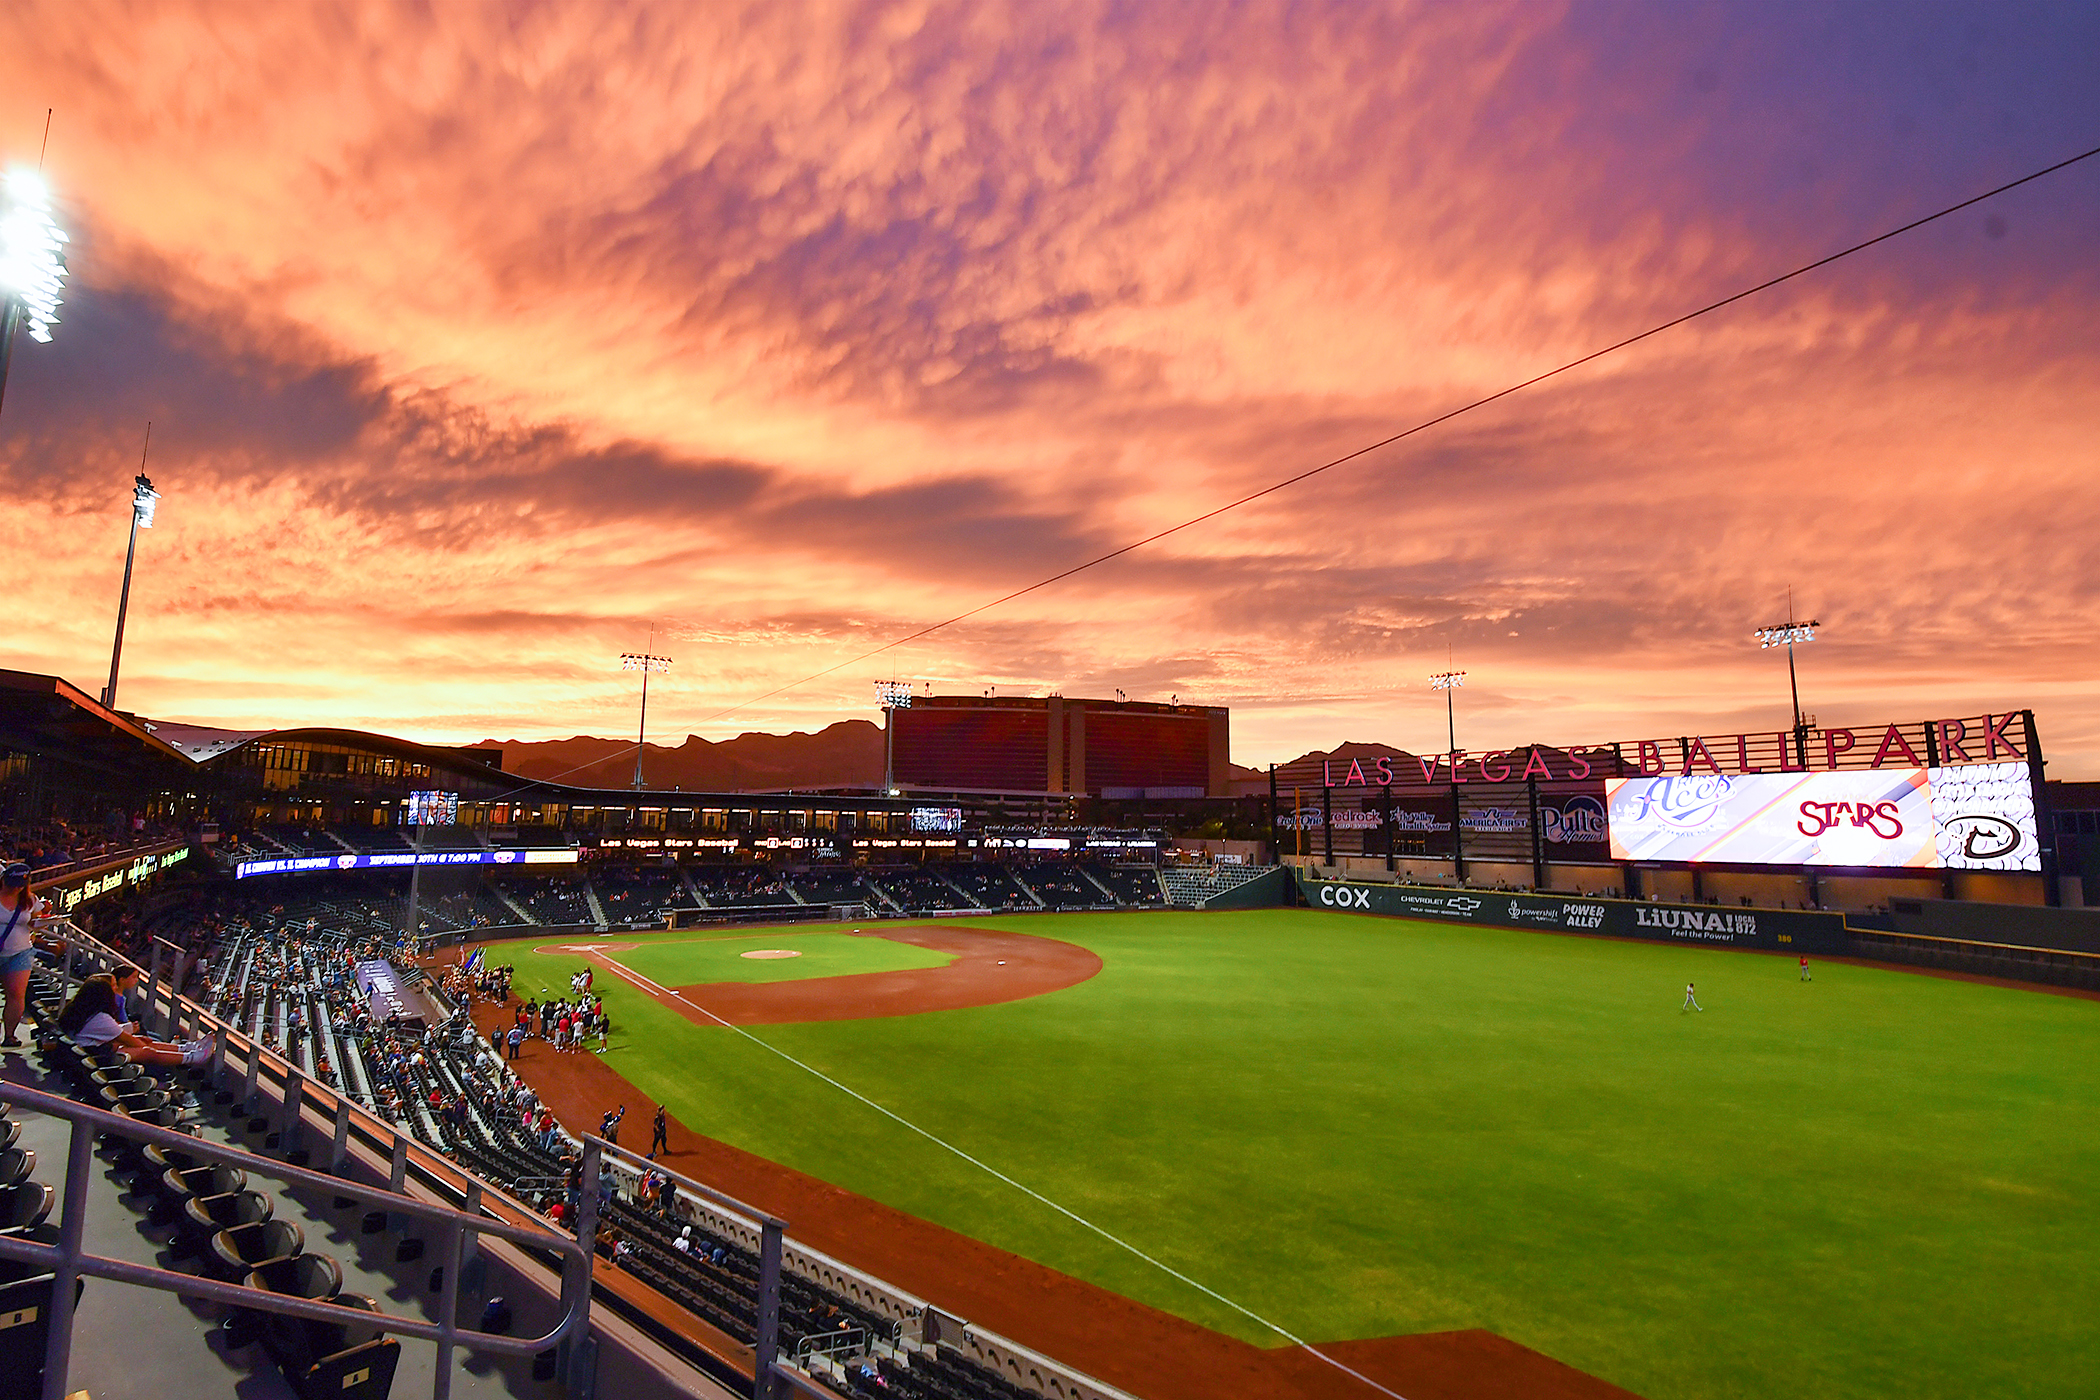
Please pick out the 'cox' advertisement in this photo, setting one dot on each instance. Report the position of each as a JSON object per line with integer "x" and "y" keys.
{"x": 1806, "y": 931}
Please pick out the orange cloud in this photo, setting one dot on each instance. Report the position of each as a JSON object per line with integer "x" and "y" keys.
{"x": 478, "y": 342}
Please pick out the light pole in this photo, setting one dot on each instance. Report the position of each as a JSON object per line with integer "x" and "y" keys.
{"x": 893, "y": 696}
{"x": 32, "y": 263}
{"x": 143, "y": 500}
{"x": 1448, "y": 681}
{"x": 645, "y": 663}
{"x": 1786, "y": 634}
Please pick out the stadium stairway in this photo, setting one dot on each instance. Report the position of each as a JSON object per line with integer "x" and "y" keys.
{"x": 524, "y": 914}
{"x": 598, "y": 916}
{"x": 1106, "y": 893}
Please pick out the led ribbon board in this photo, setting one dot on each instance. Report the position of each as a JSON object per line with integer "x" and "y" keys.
{"x": 389, "y": 860}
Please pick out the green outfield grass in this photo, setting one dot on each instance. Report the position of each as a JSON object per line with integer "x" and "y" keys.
{"x": 1876, "y": 1184}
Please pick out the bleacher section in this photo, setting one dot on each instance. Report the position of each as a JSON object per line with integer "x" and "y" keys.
{"x": 990, "y": 887}
{"x": 1062, "y": 885}
{"x": 918, "y": 889}
{"x": 828, "y": 887}
{"x": 1132, "y": 885}
{"x": 742, "y": 887}
{"x": 554, "y": 900}
{"x": 640, "y": 898}
{"x": 1192, "y": 886}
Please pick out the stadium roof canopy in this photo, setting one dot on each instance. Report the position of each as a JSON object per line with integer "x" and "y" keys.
{"x": 47, "y": 717}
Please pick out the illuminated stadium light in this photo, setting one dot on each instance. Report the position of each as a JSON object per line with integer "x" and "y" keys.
{"x": 891, "y": 695}
{"x": 648, "y": 665}
{"x": 1447, "y": 680}
{"x": 144, "y": 501}
{"x": 32, "y": 252}
{"x": 1785, "y": 634}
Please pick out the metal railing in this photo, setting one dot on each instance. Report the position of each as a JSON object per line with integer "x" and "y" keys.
{"x": 772, "y": 1231}
{"x": 68, "y": 1260}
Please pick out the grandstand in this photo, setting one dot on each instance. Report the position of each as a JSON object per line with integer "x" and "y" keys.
{"x": 918, "y": 889}
{"x": 988, "y": 886}
{"x": 554, "y": 900}
{"x": 1193, "y": 886}
{"x": 1064, "y": 885}
{"x": 1132, "y": 886}
{"x": 742, "y": 887}
{"x": 297, "y": 994}
{"x": 641, "y": 898}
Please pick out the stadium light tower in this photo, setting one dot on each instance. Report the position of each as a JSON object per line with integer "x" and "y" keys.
{"x": 1787, "y": 634}
{"x": 1448, "y": 681}
{"x": 646, "y": 664}
{"x": 893, "y": 696}
{"x": 143, "y": 500}
{"x": 32, "y": 263}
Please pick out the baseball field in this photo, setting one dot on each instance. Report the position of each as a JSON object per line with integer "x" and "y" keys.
{"x": 1874, "y": 1183}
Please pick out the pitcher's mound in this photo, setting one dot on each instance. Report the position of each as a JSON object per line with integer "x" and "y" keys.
{"x": 770, "y": 953}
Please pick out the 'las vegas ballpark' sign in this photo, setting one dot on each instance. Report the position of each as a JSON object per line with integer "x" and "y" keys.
{"x": 1941, "y": 743}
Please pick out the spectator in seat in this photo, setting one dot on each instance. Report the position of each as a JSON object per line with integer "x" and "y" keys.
{"x": 91, "y": 1019}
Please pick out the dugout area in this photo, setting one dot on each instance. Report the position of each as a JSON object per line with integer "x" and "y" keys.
{"x": 1369, "y": 1129}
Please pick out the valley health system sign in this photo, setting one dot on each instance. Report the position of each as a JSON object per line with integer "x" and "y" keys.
{"x": 387, "y": 860}
{"x": 1794, "y": 930}
{"x": 1977, "y": 817}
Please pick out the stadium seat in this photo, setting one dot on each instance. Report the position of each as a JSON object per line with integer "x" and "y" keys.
{"x": 26, "y": 1204}
{"x": 17, "y": 1165}
{"x": 243, "y": 1249}
{"x": 203, "y": 1181}
{"x": 300, "y": 1276}
{"x": 25, "y": 1294}
{"x": 334, "y": 1359}
{"x": 203, "y": 1217}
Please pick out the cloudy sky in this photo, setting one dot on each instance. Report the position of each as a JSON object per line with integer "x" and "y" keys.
{"x": 479, "y": 340}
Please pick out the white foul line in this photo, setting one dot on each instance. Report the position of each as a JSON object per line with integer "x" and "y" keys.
{"x": 990, "y": 1170}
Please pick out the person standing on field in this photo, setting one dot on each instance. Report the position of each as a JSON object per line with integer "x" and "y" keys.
{"x": 1691, "y": 999}
{"x": 1804, "y": 969}
{"x": 659, "y": 1141}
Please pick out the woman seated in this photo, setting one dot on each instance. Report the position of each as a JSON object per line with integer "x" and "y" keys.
{"x": 91, "y": 1019}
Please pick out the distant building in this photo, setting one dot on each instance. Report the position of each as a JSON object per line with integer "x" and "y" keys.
{"x": 1102, "y": 748}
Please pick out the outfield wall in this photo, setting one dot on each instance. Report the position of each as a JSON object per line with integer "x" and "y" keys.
{"x": 1706, "y": 925}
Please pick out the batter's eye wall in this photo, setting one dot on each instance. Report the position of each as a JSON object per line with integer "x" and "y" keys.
{"x": 1105, "y": 748}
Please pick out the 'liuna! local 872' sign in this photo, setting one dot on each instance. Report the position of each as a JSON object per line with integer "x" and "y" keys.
{"x": 1807, "y": 931}
{"x": 1978, "y": 817}
{"x": 388, "y": 860}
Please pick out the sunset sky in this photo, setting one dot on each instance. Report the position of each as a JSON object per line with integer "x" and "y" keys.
{"x": 480, "y": 339}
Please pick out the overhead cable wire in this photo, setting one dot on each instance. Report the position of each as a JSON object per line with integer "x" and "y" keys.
{"x": 1405, "y": 433}
{"x": 1424, "y": 426}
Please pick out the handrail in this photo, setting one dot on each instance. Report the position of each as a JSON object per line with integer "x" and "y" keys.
{"x": 374, "y": 1130}
{"x": 68, "y": 1259}
{"x": 771, "y": 1231}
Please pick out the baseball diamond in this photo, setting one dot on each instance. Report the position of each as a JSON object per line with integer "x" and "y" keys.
{"x": 1365, "y": 1129}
